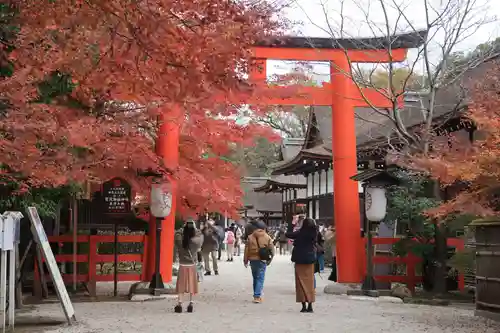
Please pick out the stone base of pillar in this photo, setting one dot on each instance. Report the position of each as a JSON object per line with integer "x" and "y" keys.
{"x": 140, "y": 291}
{"x": 335, "y": 288}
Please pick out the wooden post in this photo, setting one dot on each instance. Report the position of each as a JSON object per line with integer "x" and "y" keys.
{"x": 115, "y": 256}
{"x": 74, "y": 226}
{"x": 40, "y": 284}
{"x": 144, "y": 258}
{"x": 92, "y": 284}
{"x": 19, "y": 293}
{"x": 410, "y": 272}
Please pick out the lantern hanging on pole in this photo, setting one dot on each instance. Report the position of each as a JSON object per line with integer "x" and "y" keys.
{"x": 375, "y": 183}
{"x": 161, "y": 199}
{"x": 160, "y": 207}
{"x": 375, "y": 203}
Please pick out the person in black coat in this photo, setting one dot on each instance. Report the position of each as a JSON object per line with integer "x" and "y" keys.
{"x": 304, "y": 257}
{"x": 320, "y": 252}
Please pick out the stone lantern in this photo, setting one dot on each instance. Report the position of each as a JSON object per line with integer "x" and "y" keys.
{"x": 375, "y": 183}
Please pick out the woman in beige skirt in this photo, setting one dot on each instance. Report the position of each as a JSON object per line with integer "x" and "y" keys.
{"x": 188, "y": 241}
{"x": 304, "y": 257}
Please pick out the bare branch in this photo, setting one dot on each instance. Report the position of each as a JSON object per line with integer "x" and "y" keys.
{"x": 449, "y": 23}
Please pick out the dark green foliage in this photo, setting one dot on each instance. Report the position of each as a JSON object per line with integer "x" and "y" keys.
{"x": 408, "y": 202}
{"x": 255, "y": 160}
{"x": 8, "y": 32}
{"x": 46, "y": 200}
{"x": 56, "y": 85}
{"x": 8, "y": 29}
{"x": 179, "y": 221}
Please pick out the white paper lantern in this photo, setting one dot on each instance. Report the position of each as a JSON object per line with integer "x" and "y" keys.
{"x": 375, "y": 203}
{"x": 161, "y": 200}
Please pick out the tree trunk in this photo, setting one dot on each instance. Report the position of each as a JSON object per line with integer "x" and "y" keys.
{"x": 440, "y": 251}
{"x": 441, "y": 254}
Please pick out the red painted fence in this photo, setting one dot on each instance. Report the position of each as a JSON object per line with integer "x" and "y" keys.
{"x": 93, "y": 259}
{"x": 411, "y": 279}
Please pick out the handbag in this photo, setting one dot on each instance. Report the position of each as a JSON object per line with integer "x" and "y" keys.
{"x": 265, "y": 253}
{"x": 199, "y": 267}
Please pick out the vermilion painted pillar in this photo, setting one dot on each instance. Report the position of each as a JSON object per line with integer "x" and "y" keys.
{"x": 346, "y": 199}
{"x": 167, "y": 146}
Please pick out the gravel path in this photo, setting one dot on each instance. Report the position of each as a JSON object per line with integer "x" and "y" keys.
{"x": 225, "y": 304}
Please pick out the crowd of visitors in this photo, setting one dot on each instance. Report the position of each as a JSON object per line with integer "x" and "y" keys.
{"x": 206, "y": 243}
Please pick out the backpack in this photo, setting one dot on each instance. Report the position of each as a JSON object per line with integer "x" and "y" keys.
{"x": 230, "y": 237}
{"x": 219, "y": 233}
{"x": 265, "y": 253}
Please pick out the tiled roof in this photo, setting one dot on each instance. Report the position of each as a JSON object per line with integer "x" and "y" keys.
{"x": 258, "y": 200}
{"x": 291, "y": 147}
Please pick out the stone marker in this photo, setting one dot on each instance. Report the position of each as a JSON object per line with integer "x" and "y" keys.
{"x": 401, "y": 292}
{"x": 336, "y": 289}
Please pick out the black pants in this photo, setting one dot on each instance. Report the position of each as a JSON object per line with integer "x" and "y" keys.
{"x": 333, "y": 274}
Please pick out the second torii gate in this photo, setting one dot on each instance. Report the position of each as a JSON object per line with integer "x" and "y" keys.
{"x": 342, "y": 94}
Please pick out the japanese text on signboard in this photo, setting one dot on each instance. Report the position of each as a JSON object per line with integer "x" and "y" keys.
{"x": 116, "y": 196}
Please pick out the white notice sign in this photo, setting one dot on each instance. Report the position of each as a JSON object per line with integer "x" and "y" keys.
{"x": 41, "y": 238}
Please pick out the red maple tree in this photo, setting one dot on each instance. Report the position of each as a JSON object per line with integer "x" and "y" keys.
{"x": 127, "y": 62}
{"x": 476, "y": 166}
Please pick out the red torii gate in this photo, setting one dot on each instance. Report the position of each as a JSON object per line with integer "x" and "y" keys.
{"x": 343, "y": 96}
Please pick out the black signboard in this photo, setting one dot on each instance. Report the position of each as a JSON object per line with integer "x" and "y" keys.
{"x": 116, "y": 197}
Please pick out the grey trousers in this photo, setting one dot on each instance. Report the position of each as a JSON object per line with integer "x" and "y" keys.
{"x": 206, "y": 260}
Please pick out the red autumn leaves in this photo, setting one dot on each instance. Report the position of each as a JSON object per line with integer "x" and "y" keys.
{"x": 129, "y": 61}
{"x": 474, "y": 168}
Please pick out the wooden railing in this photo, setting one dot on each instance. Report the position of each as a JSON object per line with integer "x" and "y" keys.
{"x": 93, "y": 258}
{"x": 410, "y": 278}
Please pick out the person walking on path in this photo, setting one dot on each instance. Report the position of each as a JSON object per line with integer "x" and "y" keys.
{"x": 304, "y": 257}
{"x": 238, "y": 235}
{"x": 188, "y": 242}
{"x": 210, "y": 247}
{"x": 320, "y": 251}
{"x": 259, "y": 252}
{"x": 229, "y": 240}
{"x": 282, "y": 239}
{"x": 331, "y": 240}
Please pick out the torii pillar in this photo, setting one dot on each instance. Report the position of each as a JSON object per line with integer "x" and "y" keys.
{"x": 343, "y": 96}
{"x": 167, "y": 148}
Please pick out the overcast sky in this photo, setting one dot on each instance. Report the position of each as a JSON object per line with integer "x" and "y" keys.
{"x": 365, "y": 18}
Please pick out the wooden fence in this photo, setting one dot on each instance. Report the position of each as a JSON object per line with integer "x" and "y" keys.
{"x": 411, "y": 279}
{"x": 93, "y": 258}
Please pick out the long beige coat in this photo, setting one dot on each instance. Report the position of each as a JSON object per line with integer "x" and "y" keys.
{"x": 330, "y": 238}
